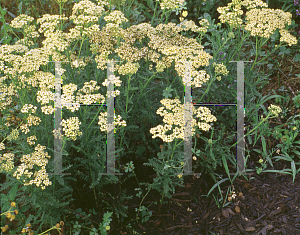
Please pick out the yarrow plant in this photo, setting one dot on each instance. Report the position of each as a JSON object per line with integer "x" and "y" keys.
{"x": 260, "y": 21}
{"x": 97, "y": 38}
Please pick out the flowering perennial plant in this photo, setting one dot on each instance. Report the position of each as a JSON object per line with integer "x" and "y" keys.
{"x": 22, "y": 61}
{"x": 260, "y": 20}
{"x": 99, "y": 37}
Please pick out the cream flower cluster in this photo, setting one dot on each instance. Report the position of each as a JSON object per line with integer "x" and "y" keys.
{"x": 128, "y": 68}
{"x": 264, "y": 22}
{"x": 275, "y": 110}
{"x": 164, "y": 39}
{"x": 171, "y": 4}
{"x": 176, "y": 117}
{"x": 13, "y": 135}
{"x": 287, "y": 37}
{"x": 251, "y": 4}
{"x": 21, "y": 21}
{"x": 190, "y": 25}
{"x": 33, "y": 120}
{"x": 85, "y": 12}
{"x": 232, "y": 18}
{"x": 31, "y": 139}
{"x": 78, "y": 63}
{"x": 89, "y": 98}
{"x": 28, "y": 161}
{"x": 220, "y": 69}
{"x": 28, "y": 107}
{"x": 103, "y": 122}
{"x": 112, "y": 79}
{"x": 116, "y": 17}
{"x": 71, "y": 127}
{"x": 6, "y": 162}
{"x": 67, "y": 97}
{"x": 48, "y": 23}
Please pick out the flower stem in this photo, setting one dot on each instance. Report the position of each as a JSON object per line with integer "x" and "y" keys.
{"x": 154, "y": 12}
{"x": 239, "y": 45}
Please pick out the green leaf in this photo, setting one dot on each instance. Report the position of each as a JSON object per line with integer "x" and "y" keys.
{"x": 24, "y": 208}
{"x": 293, "y": 170}
{"x": 213, "y": 187}
{"x": 140, "y": 150}
{"x": 11, "y": 14}
{"x": 225, "y": 166}
{"x": 13, "y": 192}
{"x": 4, "y": 198}
{"x": 20, "y": 7}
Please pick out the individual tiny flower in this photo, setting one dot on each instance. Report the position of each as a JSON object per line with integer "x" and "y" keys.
{"x": 107, "y": 227}
{"x": 184, "y": 13}
{"x": 194, "y": 158}
{"x": 260, "y": 160}
{"x": 294, "y": 128}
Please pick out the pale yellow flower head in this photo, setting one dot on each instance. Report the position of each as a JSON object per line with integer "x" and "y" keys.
{"x": 275, "y": 110}
{"x": 176, "y": 118}
{"x": 171, "y": 4}
{"x": 184, "y": 13}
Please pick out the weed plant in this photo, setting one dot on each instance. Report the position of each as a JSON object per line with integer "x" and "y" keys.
{"x": 149, "y": 108}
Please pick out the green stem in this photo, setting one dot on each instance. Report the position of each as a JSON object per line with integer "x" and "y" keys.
{"x": 252, "y": 130}
{"x": 128, "y": 92}
{"x": 80, "y": 47}
{"x": 154, "y": 13}
{"x": 207, "y": 89}
{"x": 144, "y": 88}
{"x": 126, "y": 105}
{"x": 239, "y": 45}
{"x": 256, "y": 54}
{"x": 267, "y": 55}
{"x": 143, "y": 200}
{"x": 221, "y": 46}
{"x": 175, "y": 146}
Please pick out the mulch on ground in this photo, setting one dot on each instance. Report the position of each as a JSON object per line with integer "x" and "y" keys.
{"x": 269, "y": 204}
